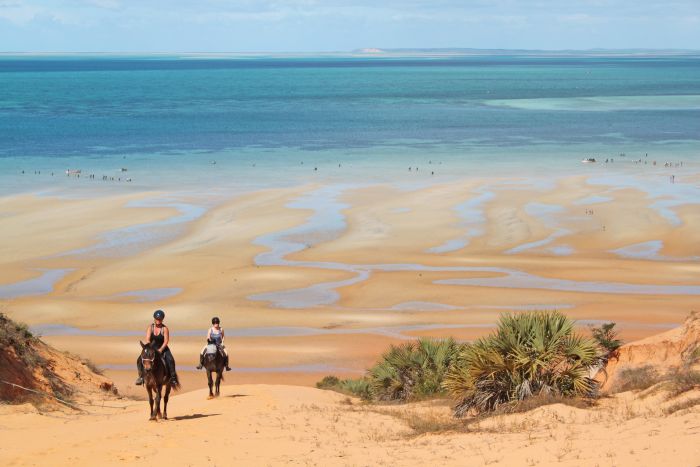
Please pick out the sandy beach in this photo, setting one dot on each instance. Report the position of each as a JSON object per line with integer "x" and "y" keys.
{"x": 319, "y": 279}
{"x": 277, "y": 424}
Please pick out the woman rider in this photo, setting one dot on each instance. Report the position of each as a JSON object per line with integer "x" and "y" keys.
{"x": 215, "y": 335}
{"x": 158, "y": 335}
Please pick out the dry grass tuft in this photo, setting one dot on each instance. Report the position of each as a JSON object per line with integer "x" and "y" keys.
{"x": 682, "y": 405}
{"x": 431, "y": 423}
{"x": 636, "y": 379}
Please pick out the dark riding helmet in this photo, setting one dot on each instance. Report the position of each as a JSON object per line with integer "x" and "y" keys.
{"x": 159, "y": 314}
{"x": 215, "y": 320}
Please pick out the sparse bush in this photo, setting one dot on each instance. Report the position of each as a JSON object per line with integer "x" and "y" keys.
{"x": 636, "y": 379}
{"x": 530, "y": 354}
{"x": 355, "y": 387}
{"x": 683, "y": 380}
{"x": 412, "y": 370}
{"x": 686, "y": 377}
{"x": 682, "y": 405}
{"x": 18, "y": 336}
{"x": 328, "y": 382}
{"x": 92, "y": 366}
{"x": 431, "y": 423}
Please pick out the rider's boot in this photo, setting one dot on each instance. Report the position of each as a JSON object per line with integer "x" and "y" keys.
{"x": 228, "y": 368}
{"x": 139, "y": 369}
{"x": 170, "y": 361}
{"x": 201, "y": 362}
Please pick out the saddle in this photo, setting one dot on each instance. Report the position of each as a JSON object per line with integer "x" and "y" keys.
{"x": 213, "y": 348}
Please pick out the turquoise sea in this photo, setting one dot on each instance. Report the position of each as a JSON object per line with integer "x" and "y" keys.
{"x": 257, "y": 121}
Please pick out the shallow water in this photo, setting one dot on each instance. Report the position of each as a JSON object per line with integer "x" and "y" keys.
{"x": 137, "y": 238}
{"x": 270, "y": 331}
{"x": 351, "y": 118}
{"x": 40, "y": 285}
{"x": 657, "y": 188}
{"x": 328, "y": 215}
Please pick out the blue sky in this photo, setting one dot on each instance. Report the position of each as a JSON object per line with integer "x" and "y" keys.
{"x": 334, "y": 25}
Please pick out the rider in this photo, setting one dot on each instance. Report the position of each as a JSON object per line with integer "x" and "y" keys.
{"x": 158, "y": 333}
{"x": 215, "y": 335}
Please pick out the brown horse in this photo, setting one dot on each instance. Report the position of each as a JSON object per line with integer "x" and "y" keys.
{"x": 214, "y": 361}
{"x": 155, "y": 376}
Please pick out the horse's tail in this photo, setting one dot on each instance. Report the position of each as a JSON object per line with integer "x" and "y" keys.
{"x": 176, "y": 386}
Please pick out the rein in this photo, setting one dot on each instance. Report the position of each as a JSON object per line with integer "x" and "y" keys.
{"x": 143, "y": 359}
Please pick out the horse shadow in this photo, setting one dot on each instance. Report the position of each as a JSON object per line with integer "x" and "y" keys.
{"x": 238, "y": 395}
{"x": 194, "y": 416}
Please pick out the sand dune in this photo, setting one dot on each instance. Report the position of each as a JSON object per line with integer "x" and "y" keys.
{"x": 280, "y": 425}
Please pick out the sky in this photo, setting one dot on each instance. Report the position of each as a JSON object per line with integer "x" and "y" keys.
{"x": 335, "y": 25}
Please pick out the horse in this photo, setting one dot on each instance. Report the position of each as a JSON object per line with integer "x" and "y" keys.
{"x": 214, "y": 361}
{"x": 155, "y": 376}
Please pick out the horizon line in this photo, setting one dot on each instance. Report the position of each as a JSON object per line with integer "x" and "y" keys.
{"x": 368, "y": 51}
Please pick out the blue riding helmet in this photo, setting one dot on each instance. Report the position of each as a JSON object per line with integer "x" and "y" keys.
{"x": 159, "y": 314}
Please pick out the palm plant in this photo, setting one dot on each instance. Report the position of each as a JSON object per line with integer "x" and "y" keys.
{"x": 530, "y": 354}
{"x": 412, "y": 369}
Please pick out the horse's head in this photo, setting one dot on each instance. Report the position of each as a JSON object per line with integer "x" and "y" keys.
{"x": 148, "y": 356}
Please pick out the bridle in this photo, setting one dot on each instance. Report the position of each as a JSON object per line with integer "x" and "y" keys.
{"x": 144, "y": 360}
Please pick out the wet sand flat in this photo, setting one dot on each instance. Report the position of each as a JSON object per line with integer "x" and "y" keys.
{"x": 351, "y": 268}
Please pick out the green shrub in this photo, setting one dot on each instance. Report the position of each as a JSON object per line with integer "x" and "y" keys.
{"x": 530, "y": 354}
{"x": 412, "y": 370}
{"x": 606, "y": 337}
{"x": 328, "y": 382}
{"x": 355, "y": 387}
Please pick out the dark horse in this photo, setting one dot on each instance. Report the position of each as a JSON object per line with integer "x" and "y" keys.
{"x": 214, "y": 361}
{"x": 155, "y": 376}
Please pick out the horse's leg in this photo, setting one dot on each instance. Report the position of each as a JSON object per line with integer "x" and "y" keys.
{"x": 159, "y": 390}
{"x": 218, "y": 381}
{"x": 165, "y": 401}
{"x": 211, "y": 383}
{"x": 150, "y": 401}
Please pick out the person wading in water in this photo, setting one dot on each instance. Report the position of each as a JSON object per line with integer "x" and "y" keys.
{"x": 216, "y": 336}
{"x": 158, "y": 335}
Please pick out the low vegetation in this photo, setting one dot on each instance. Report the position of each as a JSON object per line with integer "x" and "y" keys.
{"x": 20, "y": 358}
{"x": 677, "y": 381}
{"x": 413, "y": 370}
{"x": 530, "y": 354}
{"x": 606, "y": 337}
{"x": 354, "y": 387}
{"x": 686, "y": 377}
{"x": 410, "y": 371}
{"x": 636, "y": 379}
{"x": 18, "y": 337}
{"x": 532, "y": 359}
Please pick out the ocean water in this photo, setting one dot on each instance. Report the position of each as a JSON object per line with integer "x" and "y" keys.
{"x": 249, "y": 122}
